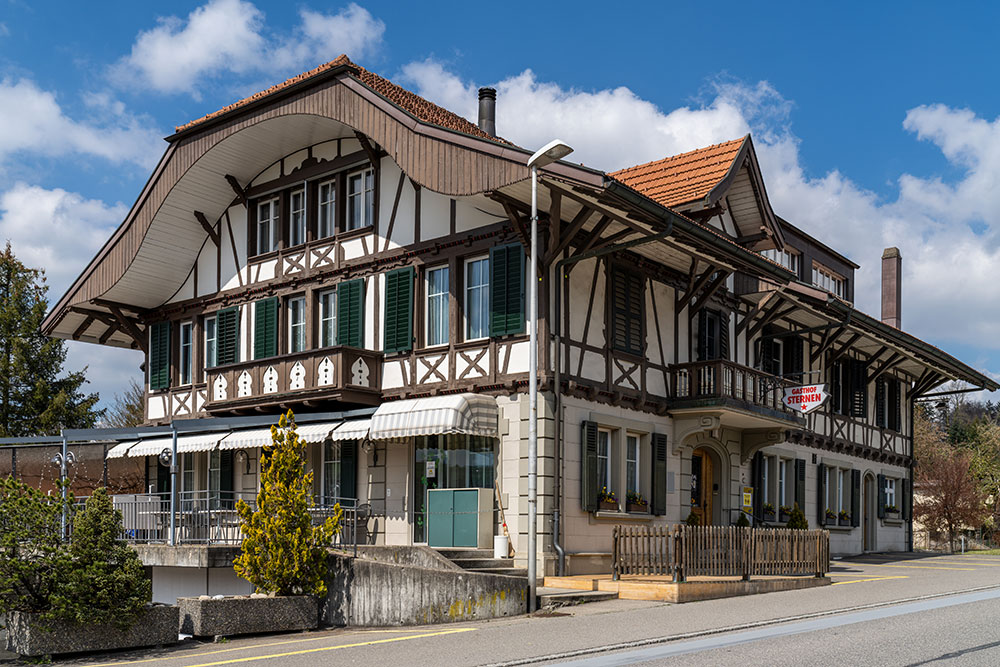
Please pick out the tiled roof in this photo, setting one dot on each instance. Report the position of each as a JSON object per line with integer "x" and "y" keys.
{"x": 412, "y": 103}
{"x": 682, "y": 178}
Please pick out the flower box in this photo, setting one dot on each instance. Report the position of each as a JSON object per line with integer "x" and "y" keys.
{"x": 608, "y": 506}
{"x": 892, "y": 515}
{"x": 783, "y": 517}
{"x": 844, "y": 522}
{"x": 244, "y": 615}
{"x": 637, "y": 508}
{"x": 27, "y": 635}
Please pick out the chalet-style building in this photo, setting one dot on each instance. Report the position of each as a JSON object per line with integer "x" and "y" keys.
{"x": 338, "y": 245}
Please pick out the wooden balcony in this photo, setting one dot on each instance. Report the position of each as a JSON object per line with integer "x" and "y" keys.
{"x": 721, "y": 384}
{"x": 340, "y": 374}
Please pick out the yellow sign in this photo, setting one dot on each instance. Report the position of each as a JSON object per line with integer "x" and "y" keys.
{"x": 748, "y": 499}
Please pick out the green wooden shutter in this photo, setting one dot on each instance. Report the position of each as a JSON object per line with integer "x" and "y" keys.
{"x": 226, "y": 477}
{"x": 880, "y": 480}
{"x": 588, "y": 475}
{"x": 159, "y": 356}
{"x": 506, "y": 290}
{"x": 626, "y": 310}
{"x": 351, "y": 313}
{"x": 659, "y": 485}
{"x": 895, "y": 416}
{"x": 859, "y": 388}
{"x": 906, "y": 499}
{"x": 348, "y": 469}
{"x": 880, "y": 390}
{"x": 855, "y": 498}
{"x": 821, "y": 495}
{"x": 800, "y": 484}
{"x": 265, "y": 334}
{"x": 228, "y": 331}
{"x": 399, "y": 310}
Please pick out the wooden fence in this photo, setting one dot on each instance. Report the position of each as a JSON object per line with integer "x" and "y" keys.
{"x": 719, "y": 551}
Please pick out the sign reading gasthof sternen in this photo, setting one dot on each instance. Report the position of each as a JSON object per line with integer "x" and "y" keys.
{"x": 805, "y": 398}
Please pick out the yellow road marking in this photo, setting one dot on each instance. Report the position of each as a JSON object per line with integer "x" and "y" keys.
{"x": 927, "y": 567}
{"x": 862, "y": 581}
{"x": 190, "y": 656}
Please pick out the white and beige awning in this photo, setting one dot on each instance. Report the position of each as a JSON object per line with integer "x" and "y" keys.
{"x": 352, "y": 429}
{"x": 465, "y": 414}
{"x": 121, "y": 449}
{"x": 186, "y": 444}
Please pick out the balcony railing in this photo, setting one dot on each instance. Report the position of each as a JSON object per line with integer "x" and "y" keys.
{"x": 727, "y": 380}
{"x": 210, "y": 517}
{"x": 345, "y": 373}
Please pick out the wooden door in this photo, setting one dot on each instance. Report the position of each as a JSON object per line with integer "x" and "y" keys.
{"x": 701, "y": 485}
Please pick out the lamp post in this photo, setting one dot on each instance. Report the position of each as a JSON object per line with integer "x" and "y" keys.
{"x": 550, "y": 152}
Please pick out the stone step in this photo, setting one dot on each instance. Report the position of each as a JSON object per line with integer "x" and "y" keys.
{"x": 451, "y": 553}
{"x": 469, "y": 563}
{"x": 560, "y": 597}
{"x": 509, "y": 571}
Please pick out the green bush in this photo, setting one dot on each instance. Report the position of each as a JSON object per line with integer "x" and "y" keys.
{"x": 282, "y": 552}
{"x": 797, "y": 519}
{"x": 743, "y": 521}
{"x": 693, "y": 519}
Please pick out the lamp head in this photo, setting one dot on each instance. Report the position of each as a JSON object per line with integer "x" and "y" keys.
{"x": 549, "y": 153}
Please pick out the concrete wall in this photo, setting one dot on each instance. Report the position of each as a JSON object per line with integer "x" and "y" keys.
{"x": 371, "y": 593}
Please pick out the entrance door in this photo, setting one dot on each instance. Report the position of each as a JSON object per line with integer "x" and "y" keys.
{"x": 701, "y": 485}
{"x": 867, "y": 523}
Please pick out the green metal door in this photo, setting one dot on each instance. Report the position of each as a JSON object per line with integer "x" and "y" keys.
{"x": 440, "y": 516}
{"x": 466, "y": 518}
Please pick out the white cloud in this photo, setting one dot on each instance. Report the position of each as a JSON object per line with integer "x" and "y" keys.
{"x": 32, "y": 120}
{"x": 55, "y": 230}
{"x": 227, "y": 37}
{"x": 948, "y": 232}
{"x": 109, "y": 369}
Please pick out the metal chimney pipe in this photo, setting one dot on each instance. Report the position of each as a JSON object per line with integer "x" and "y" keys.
{"x": 892, "y": 292}
{"x": 488, "y": 111}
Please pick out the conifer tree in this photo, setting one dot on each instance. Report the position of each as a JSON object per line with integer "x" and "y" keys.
{"x": 282, "y": 552}
{"x": 34, "y": 399}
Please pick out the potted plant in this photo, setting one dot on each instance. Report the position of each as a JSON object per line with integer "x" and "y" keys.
{"x": 845, "y": 518}
{"x": 891, "y": 512}
{"x": 784, "y": 512}
{"x": 831, "y": 517}
{"x": 768, "y": 511}
{"x": 634, "y": 502}
{"x": 607, "y": 500}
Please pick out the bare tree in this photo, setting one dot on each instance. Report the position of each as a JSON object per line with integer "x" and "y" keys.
{"x": 127, "y": 410}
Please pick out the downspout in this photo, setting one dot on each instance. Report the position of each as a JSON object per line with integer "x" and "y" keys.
{"x": 557, "y": 371}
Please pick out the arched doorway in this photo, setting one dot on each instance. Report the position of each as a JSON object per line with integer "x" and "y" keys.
{"x": 868, "y": 513}
{"x": 704, "y": 483}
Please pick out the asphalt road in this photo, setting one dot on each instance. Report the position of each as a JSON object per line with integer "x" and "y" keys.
{"x": 602, "y": 630}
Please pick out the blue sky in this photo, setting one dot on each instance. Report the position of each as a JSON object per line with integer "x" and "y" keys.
{"x": 875, "y": 125}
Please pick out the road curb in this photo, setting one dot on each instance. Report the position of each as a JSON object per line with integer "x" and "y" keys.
{"x": 638, "y": 643}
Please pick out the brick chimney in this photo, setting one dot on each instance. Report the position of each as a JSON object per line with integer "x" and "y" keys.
{"x": 892, "y": 275}
{"x": 488, "y": 111}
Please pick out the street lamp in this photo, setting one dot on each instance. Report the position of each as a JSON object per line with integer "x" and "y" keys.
{"x": 550, "y": 152}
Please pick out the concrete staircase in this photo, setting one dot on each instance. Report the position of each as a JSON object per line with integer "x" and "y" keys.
{"x": 481, "y": 560}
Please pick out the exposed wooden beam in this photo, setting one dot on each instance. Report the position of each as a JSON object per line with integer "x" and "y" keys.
{"x": 241, "y": 193}
{"x": 704, "y": 213}
{"x": 366, "y": 144}
{"x": 80, "y": 330}
{"x": 843, "y": 350}
{"x": 516, "y": 204}
{"x": 829, "y": 338}
{"x": 124, "y": 307}
{"x": 518, "y": 221}
{"x": 597, "y": 206}
{"x": 751, "y": 238}
{"x": 129, "y": 327}
{"x": 684, "y": 299}
{"x": 555, "y": 221}
{"x": 214, "y": 235}
{"x": 742, "y": 324}
{"x": 595, "y": 234}
{"x": 769, "y": 316}
{"x": 710, "y": 291}
{"x": 109, "y": 332}
{"x": 99, "y": 315}
{"x": 566, "y": 236}
{"x": 891, "y": 362}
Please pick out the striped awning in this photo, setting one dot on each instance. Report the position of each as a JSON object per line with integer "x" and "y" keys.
{"x": 121, "y": 449}
{"x": 186, "y": 444}
{"x": 254, "y": 437}
{"x": 315, "y": 433}
{"x": 466, "y": 414}
{"x": 353, "y": 429}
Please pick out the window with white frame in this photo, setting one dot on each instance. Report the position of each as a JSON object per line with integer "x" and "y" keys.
{"x": 437, "y": 306}
{"x": 296, "y": 324}
{"x": 214, "y": 478}
{"x": 187, "y": 480}
{"x": 604, "y": 460}
{"x": 331, "y": 472}
{"x": 211, "y": 342}
{"x": 828, "y": 280}
{"x": 327, "y": 219}
{"x": 632, "y": 463}
{"x": 842, "y": 490}
{"x": 328, "y": 318}
{"x": 185, "y": 353}
{"x": 267, "y": 226}
{"x": 788, "y": 258}
{"x": 890, "y": 492}
{"x": 477, "y": 298}
{"x": 297, "y": 222}
{"x": 782, "y": 482}
{"x": 360, "y": 199}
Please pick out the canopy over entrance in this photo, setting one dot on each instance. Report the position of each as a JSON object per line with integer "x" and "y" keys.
{"x": 464, "y": 414}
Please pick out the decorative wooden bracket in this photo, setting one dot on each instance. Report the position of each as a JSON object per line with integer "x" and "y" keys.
{"x": 368, "y": 148}
{"x": 129, "y": 327}
{"x": 214, "y": 235}
{"x": 241, "y": 193}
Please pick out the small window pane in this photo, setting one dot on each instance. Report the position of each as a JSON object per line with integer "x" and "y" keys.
{"x": 211, "y": 342}
{"x": 437, "y": 306}
{"x": 327, "y": 208}
{"x": 297, "y": 324}
{"x": 603, "y": 459}
{"x": 360, "y": 199}
{"x": 267, "y": 226}
{"x": 632, "y": 463}
{"x": 297, "y": 227}
{"x": 477, "y": 298}
{"x": 185, "y": 365}
{"x": 328, "y": 318}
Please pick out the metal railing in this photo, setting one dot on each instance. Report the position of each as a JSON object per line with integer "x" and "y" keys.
{"x": 725, "y": 379}
{"x": 210, "y": 517}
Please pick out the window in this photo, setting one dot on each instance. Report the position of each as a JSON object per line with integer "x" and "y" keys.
{"x": 229, "y": 336}
{"x": 713, "y": 335}
{"x": 782, "y": 481}
{"x": 787, "y": 258}
{"x": 211, "y": 342}
{"x": 437, "y": 306}
{"x": 187, "y": 481}
{"x": 849, "y": 382}
{"x": 331, "y": 472}
{"x": 890, "y": 492}
{"x": 887, "y": 400}
{"x": 360, "y": 199}
{"x": 477, "y": 298}
{"x": 185, "y": 356}
{"x": 159, "y": 356}
{"x": 828, "y": 280}
{"x": 297, "y": 224}
{"x": 399, "y": 310}
{"x": 626, "y": 311}
{"x": 296, "y": 324}
{"x": 632, "y": 463}
{"x": 765, "y": 476}
{"x": 214, "y": 477}
{"x": 267, "y": 226}
{"x": 507, "y": 290}
{"x": 604, "y": 460}
{"x": 265, "y": 328}
{"x": 327, "y": 209}
{"x": 841, "y": 490}
{"x": 328, "y": 318}
{"x": 351, "y": 313}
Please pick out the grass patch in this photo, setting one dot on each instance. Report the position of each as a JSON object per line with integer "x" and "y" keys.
{"x": 981, "y": 552}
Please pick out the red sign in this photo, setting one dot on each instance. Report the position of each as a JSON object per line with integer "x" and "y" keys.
{"x": 806, "y": 398}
